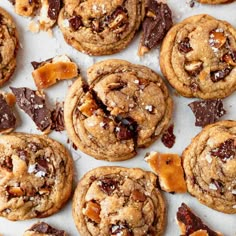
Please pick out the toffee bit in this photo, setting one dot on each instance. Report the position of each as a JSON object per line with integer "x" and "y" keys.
{"x": 207, "y": 111}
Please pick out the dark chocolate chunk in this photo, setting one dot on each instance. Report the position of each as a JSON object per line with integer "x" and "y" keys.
{"x": 75, "y": 22}
{"x": 23, "y": 155}
{"x": 191, "y": 221}
{"x": 34, "y": 147}
{"x": 219, "y": 185}
{"x": 54, "y": 9}
{"x": 184, "y": 46}
{"x": 220, "y": 74}
{"x": 108, "y": 185}
{"x": 44, "y": 228}
{"x": 41, "y": 164}
{"x": 126, "y": 129}
{"x": 156, "y": 24}
{"x": 121, "y": 229}
{"x": 168, "y": 138}
{"x": 36, "y": 64}
{"x": 34, "y": 105}
{"x": 207, "y": 111}
{"x": 192, "y": 3}
{"x": 7, "y": 117}
{"x": 225, "y": 151}
{"x": 57, "y": 117}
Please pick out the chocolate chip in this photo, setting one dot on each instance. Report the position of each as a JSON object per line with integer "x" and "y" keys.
{"x": 126, "y": 129}
{"x": 184, "y": 46}
{"x": 207, "y": 111}
{"x": 34, "y": 147}
{"x": 76, "y": 22}
{"x": 6, "y": 163}
{"x": 225, "y": 151}
{"x": 7, "y": 117}
{"x": 192, "y": 3}
{"x": 191, "y": 221}
{"x": 220, "y": 74}
{"x": 168, "y": 138}
{"x": 23, "y": 155}
{"x": 121, "y": 229}
{"x": 33, "y": 105}
{"x": 54, "y": 7}
{"x": 44, "y": 228}
{"x": 57, "y": 117}
{"x": 219, "y": 185}
{"x": 108, "y": 185}
{"x": 156, "y": 24}
{"x": 41, "y": 164}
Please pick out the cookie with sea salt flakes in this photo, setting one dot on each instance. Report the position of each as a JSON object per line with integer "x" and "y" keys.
{"x": 36, "y": 176}
{"x": 118, "y": 201}
{"x": 123, "y": 107}
{"x": 198, "y": 57}
{"x": 8, "y": 46}
{"x": 100, "y": 27}
{"x": 209, "y": 163}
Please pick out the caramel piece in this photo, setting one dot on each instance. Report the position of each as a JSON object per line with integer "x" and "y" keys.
{"x": 88, "y": 106}
{"x": 138, "y": 196}
{"x": 200, "y": 233}
{"x": 92, "y": 211}
{"x": 48, "y": 74}
{"x": 15, "y": 191}
{"x": 169, "y": 170}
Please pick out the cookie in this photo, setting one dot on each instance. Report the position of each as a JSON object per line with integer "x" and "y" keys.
{"x": 43, "y": 229}
{"x": 36, "y": 176}
{"x": 198, "y": 57}
{"x": 192, "y": 225}
{"x": 9, "y": 46}
{"x": 124, "y": 106}
{"x": 100, "y": 27}
{"x": 209, "y": 163}
{"x": 215, "y": 1}
{"x": 118, "y": 201}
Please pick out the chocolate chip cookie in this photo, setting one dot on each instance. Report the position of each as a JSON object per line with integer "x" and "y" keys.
{"x": 36, "y": 176}
{"x": 209, "y": 163}
{"x": 100, "y": 27}
{"x": 198, "y": 57}
{"x": 123, "y": 106}
{"x": 118, "y": 201}
{"x": 215, "y": 1}
{"x": 8, "y": 46}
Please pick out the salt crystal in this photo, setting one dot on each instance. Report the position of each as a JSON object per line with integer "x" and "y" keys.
{"x": 208, "y": 158}
{"x": 212, "y": 186}
{"x": 31, "y": 168}
{"x": 234, "y": 191}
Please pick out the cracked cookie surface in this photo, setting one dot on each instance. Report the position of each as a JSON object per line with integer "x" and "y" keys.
{"x": 100, "y": 27}
{"x": 118, "y": 201}
{"x": 209, "y": 163}
{"x": 124, "y": 106}
{"x": 35, "y": 176}
{"x": 198, "y": 57}
{"x": 8, "y": 46}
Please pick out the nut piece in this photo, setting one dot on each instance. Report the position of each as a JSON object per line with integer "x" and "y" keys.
{"x": 88, "y": 106}
{"x": 92, "y": 211}
{"x": 217, "y": 39}
{"x": 136, "y": 195}
{"x": 59, "y": 68}
{"x": 169, "y": 170}
{"x": 194, "y": 67}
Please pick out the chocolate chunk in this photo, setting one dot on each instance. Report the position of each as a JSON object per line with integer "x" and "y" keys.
{"x": 41, "y": 164}
{"x": 44, "y": 228}
{"x": 6, "y": 163}
{"x": 57, "y": 117}
{"x": 23, "y": 155}
{"x": 219, "y": 185}
{"x": 108, "y": 185}
{"x": 126, "y": 129}
{"x": 54, "y": 8}
{"x": 121, "y": 229}
{"x": 156, "y": 24}
{"x": 184, "y": 46}
{"x": 225, "y": 151}
{"x": 13, "y": 2}
{"x": 7, "y": 117}
{"x": 0, "y": 45}
{"x": 34, "y": 105}
{"x": 111, "y": 18}
{"x": 207, "y": 111}
{"x": 191, "y": 221}
{"x": 220, "y": 74}
{"x": 36, "y": 64}
{"x": 192, "y": 3}
{"x": 168, "y": 138}
{"x": 76, "y": 22}
{"x": 34, "y": 147}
